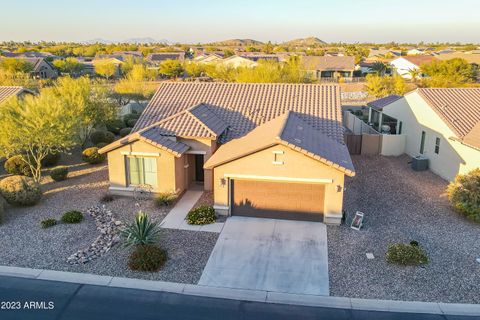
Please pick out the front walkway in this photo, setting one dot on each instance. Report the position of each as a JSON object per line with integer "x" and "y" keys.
{"x": 176, "y": 217}
{"x": 271, "y": 255}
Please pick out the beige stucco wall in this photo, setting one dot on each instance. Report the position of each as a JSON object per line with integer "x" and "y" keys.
{"x": 416, "y": 115}
{"x": 295, "y": 165}
{"x": 166, "y": 162}
{"x": 173, "y": 173}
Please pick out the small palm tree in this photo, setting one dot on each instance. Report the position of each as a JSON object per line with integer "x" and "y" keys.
{"x": 379, "y": 68}
{"x": 415, "y": 74}
{"x": 142, "y": 231}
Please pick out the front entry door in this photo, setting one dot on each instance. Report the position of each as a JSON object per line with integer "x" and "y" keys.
{"x": 199, "y": 167}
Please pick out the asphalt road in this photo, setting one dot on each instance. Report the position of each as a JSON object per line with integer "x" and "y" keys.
{"x": 77, "y": 301}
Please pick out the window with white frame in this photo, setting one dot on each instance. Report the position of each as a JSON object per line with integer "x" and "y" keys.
{"x": 142, "y": 170}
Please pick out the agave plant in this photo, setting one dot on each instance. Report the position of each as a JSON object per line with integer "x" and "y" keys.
{"x": 141, "y": 231}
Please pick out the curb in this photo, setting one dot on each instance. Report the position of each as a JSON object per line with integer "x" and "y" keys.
{"x": 452, "y": 309}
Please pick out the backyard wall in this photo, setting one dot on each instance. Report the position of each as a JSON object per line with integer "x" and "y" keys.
{"x": 393, "y": 144}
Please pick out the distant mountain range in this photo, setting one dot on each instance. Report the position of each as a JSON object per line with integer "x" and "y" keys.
{"x": 145, "y": 40}
{"x": 237, "y": 42}
{"x": 305, "y": 42}
{"x": 301, "y": 42}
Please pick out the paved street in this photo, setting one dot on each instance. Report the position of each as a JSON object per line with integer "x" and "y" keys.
{"x": 75, "y": 301}
{"x": 270, "y": 255}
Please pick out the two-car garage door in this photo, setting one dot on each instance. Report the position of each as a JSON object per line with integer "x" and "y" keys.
{"x": 277, "y": 200}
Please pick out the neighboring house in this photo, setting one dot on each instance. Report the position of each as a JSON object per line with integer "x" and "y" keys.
{"x": 237, "y": 61}
{"x": 256, "y": 56}
{"x": 42, "y": 69}
{"x": 120, "y": 55}
{"x": 383, "y": 54}
{"x": 442, "y": 125}
{"x": 416, "y": 52}
{"x": 7, "y": 92}
{"x": 159, "y": 57}
{"x": 403, "y": 66}
{"x": 31, "y": 54}
{"x": 208, "y": 58}
{"x": 266, "y": 150}
{"x": 329, "y": 67}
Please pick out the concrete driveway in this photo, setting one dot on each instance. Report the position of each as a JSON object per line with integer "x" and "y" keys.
{"x": 271, "y": 255}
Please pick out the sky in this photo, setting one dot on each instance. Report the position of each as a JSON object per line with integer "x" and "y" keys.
{"x": 199, "y": 21}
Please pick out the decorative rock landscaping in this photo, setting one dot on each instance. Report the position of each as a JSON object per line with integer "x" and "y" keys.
{"x": 109, "y": 229}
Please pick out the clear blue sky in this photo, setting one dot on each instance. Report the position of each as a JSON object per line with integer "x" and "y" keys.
{"x": 209, "y": 20}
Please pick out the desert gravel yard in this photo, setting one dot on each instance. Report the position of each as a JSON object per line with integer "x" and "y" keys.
{"x": 25, "y": 244}
{"x": 401, "y": 205}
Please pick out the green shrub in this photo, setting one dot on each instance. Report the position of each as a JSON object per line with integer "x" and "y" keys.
{"x": 128, "y": 118}
{"x": 131, "y": 123}
{"x": 141, "y": 231}
{"x": 165, "y": 198}
{"x": 72, "y": 216}
{"x": 20, "y": 191}
{"x": 147, "y": 258}
{"x": 201, "y": 215}
{"x": 406, "y": 254}
{"x": 97, "y": 136}
{"x": 51, "y": 159}
{"x": 115, "y": 126}
{"x": 102, "y": 136}
{"x": 109, "y": 137}
{"x": 59, "y": 173}
{"x": 125, "y": 132}
{"x": 101, "y": 145}
{"x": 464, "y": 194}
{"x": 92, "y": 156}
{"x": 47, "y": 223}
{"x": 17, "y": 166}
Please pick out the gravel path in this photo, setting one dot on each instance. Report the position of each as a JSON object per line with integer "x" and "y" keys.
{"x": 25, "y": 244}
{"x": 402, "y": 205}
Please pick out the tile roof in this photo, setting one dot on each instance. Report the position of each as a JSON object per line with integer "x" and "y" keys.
{"x": 244, "y": 106}
{"x": 289, "y": 130}
{"x": 459, "y": 108}
{"x": 151, "y": 136}
{"x": 332, "y": 63}
{"x": 161, "y": 56}
{"x": 382, "y": 102}
{"x": 6, "y": 92}
{"x": 198, "y": 121}
{"x": 419, "y": 60}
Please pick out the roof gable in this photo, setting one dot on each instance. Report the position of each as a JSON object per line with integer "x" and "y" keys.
{"x": 459, "y": 108}
{"x": 291, "y": 131}
{"x": 244, "y": 106}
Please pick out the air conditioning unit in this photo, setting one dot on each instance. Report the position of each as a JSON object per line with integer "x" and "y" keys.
{"x": 419, "y": 163}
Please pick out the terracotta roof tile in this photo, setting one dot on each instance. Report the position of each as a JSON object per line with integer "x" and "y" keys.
{"x": 419, "y": 60}
{"x": 335, "y": 63}
{"x": 459, "y": 108}
{"x": 6, "y": 92}
{"x": 244, "y": 106}
{"x": 292, "y": 131}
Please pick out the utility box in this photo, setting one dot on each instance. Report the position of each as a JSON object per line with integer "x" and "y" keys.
{"x": 419, "y": 163}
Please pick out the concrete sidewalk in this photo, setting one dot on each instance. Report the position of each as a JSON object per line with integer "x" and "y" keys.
{"x": 176, "y": 217}
{"x": 447, "y": 309}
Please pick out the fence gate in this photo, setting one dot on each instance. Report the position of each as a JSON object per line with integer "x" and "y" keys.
{"x": 354, "y": 143}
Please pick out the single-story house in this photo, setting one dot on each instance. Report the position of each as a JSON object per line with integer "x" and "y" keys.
{"x": 329, "y": 67}
{"x": 266, "y": 150}
{"x": 256, "y": 56}
{"x": 208, "y": 58}
{"x": 7, "y": 92}
{"x": 403, "y": 66}
{"x": 41, "y": 68}
{"x": 158, "y": 57}
{"x": 442, "y": 125}
{"x": 237, "y": 61}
